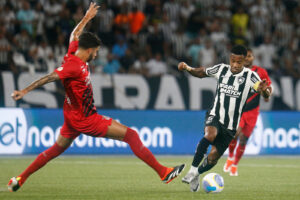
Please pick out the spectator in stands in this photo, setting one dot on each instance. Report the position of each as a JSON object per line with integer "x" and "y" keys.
{"x": 112, "y": 66}
{"x": 239, "y": 22}
{"x": 194, "y": 51}
{"x": 156, "y": 66}
{"x": 105, "y": 22}
{"x": 9, "y": 18}
{"x": 127, "y": 61}
{"x": 121, "y": 21}
{"x": 167, "y": 27}
{"x": 120, "y": 47}
{"x": 266, "y": 53}
{"x": 156, "y": 42}
{"x": 140, "y": 66}
{"x": 136, "y": 20}
{"x": 207, "y": 55}
{"x": 25, "y": 17}
{"x": 5, "y": 51}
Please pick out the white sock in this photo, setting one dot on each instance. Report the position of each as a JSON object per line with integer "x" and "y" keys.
{"x": 194, "y": 170}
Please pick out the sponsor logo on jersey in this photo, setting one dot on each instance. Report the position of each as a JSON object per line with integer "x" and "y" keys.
{"x": 229, "y": 90}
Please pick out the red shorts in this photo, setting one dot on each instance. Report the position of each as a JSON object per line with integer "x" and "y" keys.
{"x": 248, "y": 121}
{"x": 95, "y": 125}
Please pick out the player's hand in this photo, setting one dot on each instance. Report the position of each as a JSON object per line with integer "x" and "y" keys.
{"x": 16, "y": 95}
{"x": 92, "y": 11}
{"x": 182, "y": 66}
{"x": 262, "y": 86}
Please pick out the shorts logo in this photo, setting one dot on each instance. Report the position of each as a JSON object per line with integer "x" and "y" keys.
{"x": 209, "y": 119}
{"x": 241, "y": 80}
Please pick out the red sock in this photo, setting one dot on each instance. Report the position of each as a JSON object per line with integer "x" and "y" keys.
{"x": 239, "y": 153}
{"x": 142, "y": 152}
{"x": 41, "y": 160}
{"x": 231, "y": 148}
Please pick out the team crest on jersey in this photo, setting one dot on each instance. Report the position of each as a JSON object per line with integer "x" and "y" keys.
{"x": 241, "y": 80}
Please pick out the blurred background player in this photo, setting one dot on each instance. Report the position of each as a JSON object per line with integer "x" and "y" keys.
{"x": 234, "y": 85}
{"x": 80, "y": 114}
{"x": 248, "y": 120}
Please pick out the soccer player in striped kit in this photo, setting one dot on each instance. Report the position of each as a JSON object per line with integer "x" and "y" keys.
{"x": 248, "y": 119}
{"x": 235, "y": 82}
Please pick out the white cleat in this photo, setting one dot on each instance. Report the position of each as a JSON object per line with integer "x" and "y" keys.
{"x": 188, "y": 177}
{"x": 195, "y": 184}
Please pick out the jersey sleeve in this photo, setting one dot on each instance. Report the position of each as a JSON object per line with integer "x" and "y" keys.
{"x": 214, "y": 71}
{"x": 73, "y": 46}
{"x": 69, "y": 69}
{"x": 254, "y": 80}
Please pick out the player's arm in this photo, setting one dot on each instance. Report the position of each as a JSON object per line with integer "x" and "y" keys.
{"x": 266, "y": 99}
{"x": 16, "y": 95}
{"x": 90, "y": 14}
{"x": 197, "y": 72}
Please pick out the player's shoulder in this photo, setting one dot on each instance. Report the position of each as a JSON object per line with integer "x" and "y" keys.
{"x": 258, "y": 69}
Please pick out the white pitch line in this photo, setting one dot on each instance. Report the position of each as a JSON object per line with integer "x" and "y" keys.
{"x": 270, "y": 165}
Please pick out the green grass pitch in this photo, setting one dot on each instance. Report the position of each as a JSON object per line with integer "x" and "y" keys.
{"x": 126, "y": 177}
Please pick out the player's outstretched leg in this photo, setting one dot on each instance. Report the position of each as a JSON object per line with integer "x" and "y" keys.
{"x": 200, "y": 152}
{"x": 130, "y": 136}
{"x": 166, "y": 174}
{"x": 209, "y": 162}
{"x": 16, "y": 182}
{"x": 230, "y": 157}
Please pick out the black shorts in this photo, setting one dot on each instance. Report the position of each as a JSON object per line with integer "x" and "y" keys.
{"x": 224, "y": 135}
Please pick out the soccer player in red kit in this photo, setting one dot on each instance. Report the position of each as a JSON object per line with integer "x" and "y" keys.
{"x": 248, "y": 119}
{"x": 80, "y": 115}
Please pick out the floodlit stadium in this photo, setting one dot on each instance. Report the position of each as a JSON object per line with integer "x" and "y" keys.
{"x": 124, "y": 99}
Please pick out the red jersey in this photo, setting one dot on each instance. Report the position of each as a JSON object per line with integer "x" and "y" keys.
{"x": 75, "y": 76}
{"x": 254, "y": 98}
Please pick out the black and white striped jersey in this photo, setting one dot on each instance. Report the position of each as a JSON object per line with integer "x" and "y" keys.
{"x": 231, "y": 95}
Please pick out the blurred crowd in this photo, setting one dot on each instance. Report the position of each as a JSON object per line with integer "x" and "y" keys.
{"x": 150, "y": 37}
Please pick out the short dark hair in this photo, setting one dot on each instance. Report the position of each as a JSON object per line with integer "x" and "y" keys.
{"x": 88, "y": 40}
{"x": 239, "y": 50}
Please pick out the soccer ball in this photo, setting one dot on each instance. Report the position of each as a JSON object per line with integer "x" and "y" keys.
{"x": 213, "y": 183}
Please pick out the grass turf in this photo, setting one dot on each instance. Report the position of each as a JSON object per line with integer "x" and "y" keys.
{"x": 125, "y": 177}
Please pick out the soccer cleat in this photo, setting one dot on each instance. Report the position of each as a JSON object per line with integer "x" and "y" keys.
{"x": 14, "y": 184}
{"x": 172, "y": 173}
{"x": 227, "y": 165}
{"x": 233, "y": 170}
{"x": 195, "y": 184}
{"x": 188, "y": 177}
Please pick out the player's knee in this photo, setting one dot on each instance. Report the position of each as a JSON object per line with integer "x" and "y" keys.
{"x": 212, "y": 160}
{"x": 243, "y": 140}
{"x": 130, "y": 135}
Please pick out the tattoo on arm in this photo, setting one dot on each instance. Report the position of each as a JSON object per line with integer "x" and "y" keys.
{"x": 42, "y": 81}
{"x": 78, "y": 29}
{"x": 198, "y": 72}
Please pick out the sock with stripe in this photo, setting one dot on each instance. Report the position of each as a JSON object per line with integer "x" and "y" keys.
{"x": 239, "y": 153}
{"x": 200, "y": 151}
{"x": 142, "y": 152}
{"x": 231, "y": 148}
{"x": 41, "y": 160}
{"x": 205, "y": 166}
